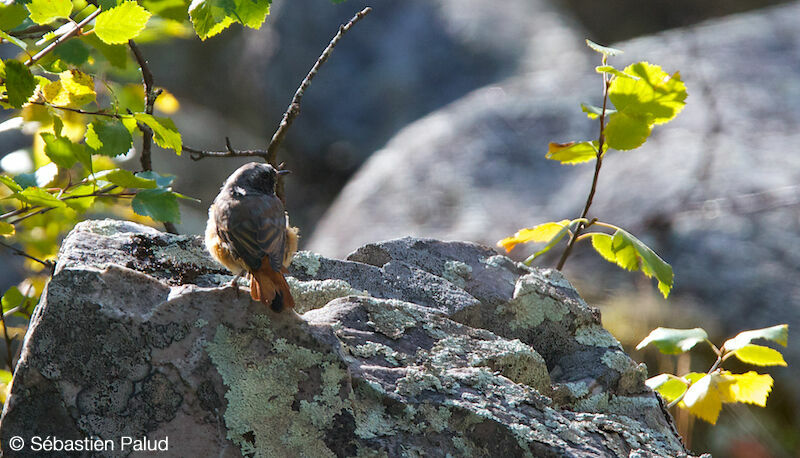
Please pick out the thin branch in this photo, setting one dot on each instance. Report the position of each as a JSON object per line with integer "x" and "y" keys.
{"x": 294, "y": 108}
{"x": 150, "y": 96}
{"x": 149, "y": 101}
{"x": 48, "y": 264}
{"x": 196, "y": 154}
{"x": 63, "y": 38}
{"x": 78, "y": 110}
{"x": 598, "y": 165}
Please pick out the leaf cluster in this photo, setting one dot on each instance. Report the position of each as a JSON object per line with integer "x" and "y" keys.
{"x": 643, "y": 95}
{"x": 703, "y": 394}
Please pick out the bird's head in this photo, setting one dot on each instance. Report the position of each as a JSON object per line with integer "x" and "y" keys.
{"x": 256, "y": 176}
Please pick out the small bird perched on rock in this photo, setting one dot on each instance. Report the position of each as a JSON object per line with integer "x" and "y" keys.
{"x": 248, "y": 232}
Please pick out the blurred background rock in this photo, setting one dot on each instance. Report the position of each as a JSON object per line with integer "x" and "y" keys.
{"x": 453, "y": 103}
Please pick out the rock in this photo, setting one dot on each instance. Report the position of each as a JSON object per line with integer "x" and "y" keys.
{"x": 413, "y": 346}
{"x": 714, "y": 192}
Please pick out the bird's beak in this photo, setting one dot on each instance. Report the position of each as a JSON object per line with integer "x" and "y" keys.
{"x": 283, "y": 172}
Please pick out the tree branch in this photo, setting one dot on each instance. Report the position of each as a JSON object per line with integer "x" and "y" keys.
{"x": 294, "y": 108}
{"x": 48, "y": 264}
{"x": 196, "y": 154}
{"x": 150, "y": 96}
{"x": 63, "y": 38}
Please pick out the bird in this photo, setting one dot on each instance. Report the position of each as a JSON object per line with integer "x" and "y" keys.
{"x": 248, "y": 232}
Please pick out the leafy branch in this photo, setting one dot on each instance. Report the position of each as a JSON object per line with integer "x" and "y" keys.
{"x": 703, "y": 394}
{"x": 643, "y": 95}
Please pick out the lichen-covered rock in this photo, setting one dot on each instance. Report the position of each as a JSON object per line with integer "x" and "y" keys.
{"x": 410, "y": 348}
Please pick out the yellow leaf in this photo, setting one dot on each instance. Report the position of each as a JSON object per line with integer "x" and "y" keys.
{"x": 751, "y": 388}
{"x": 6, "y": 228}
{"x": 73, "y": 89}
{"x": 541, "y": 233}
{"x": 760, "y": 355}
{"x": 167, "y": 103}
{"x": 5, "y": 384}
{"x": 704, "y": 398}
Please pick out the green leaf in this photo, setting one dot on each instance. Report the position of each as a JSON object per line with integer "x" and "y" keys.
{"x": 12, "y": 298}
{"x": 655, "y": 96}
{"x": 625, "y": 132}
{"x": 20, "y": 83}
{"x": 630, "y": 253}
{"x": 572, "y": 152}
{"x": 169, "y": 9}
{"x": 165, "y": 133}
{"x": 78, "y": 203}
{"x": 73, "y": 89}
{"x": 8, "y": 181}
{"x": 125, "y": 179}
{"x": 44, "y": 11}
{"x": 116, "y": 55}
{"x": 122, "y": 23}
{"x": 613, "y": 71}
{"x": 16, "y": 41}
{"x": 210, "y": 17}
{"x": 759, "y": 355}
{"x": 61, "y": 150}
{"x": 669, "y": 386}
{"x": 778, "y": 333}
{"x": 72, "y": 52}
{"x": 673, "y": 341}
{"x": 159, "y": 204}
{"x": 12, "y": 15}
{"x": 108, "y": 138}
{"x": 39, "y": 197}
{"x": 605, "y": 50}
{"x": 593, "y": 112}
{"x": 539, "y": 233}
{"x": 162, "y": 181}
{"x": 7, "y": 228}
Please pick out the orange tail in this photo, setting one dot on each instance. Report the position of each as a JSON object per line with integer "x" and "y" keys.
{"x": 270, "y": 288}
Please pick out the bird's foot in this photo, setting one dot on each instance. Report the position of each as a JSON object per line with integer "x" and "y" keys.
{"x": 235, "y": 284}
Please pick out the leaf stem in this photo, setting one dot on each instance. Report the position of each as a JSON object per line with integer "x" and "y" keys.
{"x": 48, "y": 264}
{"x": 598, "y": 165}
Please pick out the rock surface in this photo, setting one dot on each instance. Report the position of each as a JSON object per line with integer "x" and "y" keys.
{"x": 715, "y": 192}
{"x": 410, "y": 346}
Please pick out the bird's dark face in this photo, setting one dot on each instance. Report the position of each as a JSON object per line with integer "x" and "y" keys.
{"x": 256, "y": 176}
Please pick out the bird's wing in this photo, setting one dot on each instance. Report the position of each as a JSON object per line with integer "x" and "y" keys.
{"x": 255, "y": 227}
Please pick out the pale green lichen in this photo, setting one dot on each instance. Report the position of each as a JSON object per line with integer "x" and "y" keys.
{"x": 594, "y": 403}
{"x": 496, "y": 261}
{"x": 556, "y": 278}
{"x": 314, "y": 294}
{"x": 175, "y": 254}
{"x": 464, "y": 446}
{"x": 632, "y": 406}
{"x": 416, "y": 381}
{"x": 200, "y": 322}
{"x": 391, "y": 317}
{"x": 529, "y": 307}
{"x": 617, "y": 360}
{"x": 595, "y": 335}
{"x": 308, "y": 261}
{"x": 516, "y": 361}
{"x": 457, "y": 273}
{"x": 577, "y": 389}
{"x": 261, "y": 391}
{"x": 371, "y": 349}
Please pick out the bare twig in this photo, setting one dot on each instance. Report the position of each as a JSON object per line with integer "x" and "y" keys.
{"x": 196, "y": 154}
{"x": 46, "y": 50}
{"x": 18, "y": 252}
{"x": 598, "y": 165}
{"x": 294, "y": 107}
